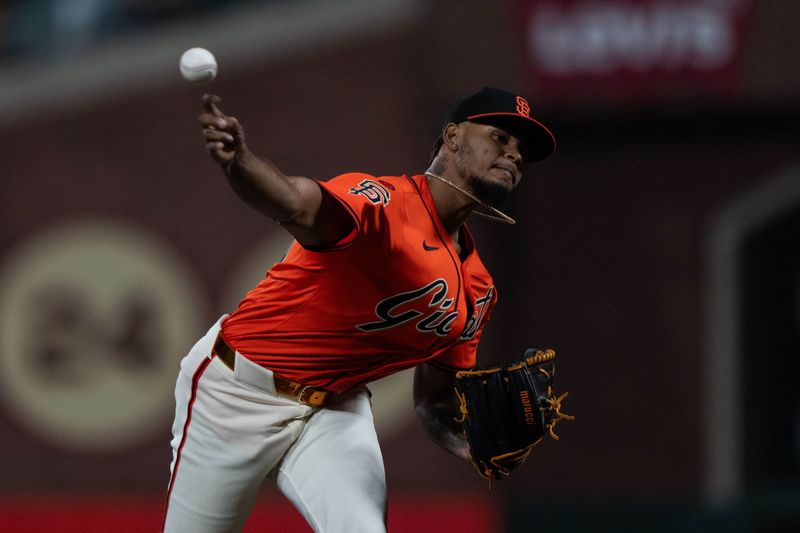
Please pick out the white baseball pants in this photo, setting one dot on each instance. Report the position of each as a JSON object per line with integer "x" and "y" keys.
{"x": 232, "y": 431}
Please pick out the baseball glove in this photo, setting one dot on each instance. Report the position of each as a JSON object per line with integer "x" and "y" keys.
{"x": 506, "y": 410}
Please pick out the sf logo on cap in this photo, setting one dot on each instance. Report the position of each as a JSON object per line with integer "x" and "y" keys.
{"x": 523, "y": 108}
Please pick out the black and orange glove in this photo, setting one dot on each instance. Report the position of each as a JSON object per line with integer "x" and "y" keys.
{"x": 506, "y": 410}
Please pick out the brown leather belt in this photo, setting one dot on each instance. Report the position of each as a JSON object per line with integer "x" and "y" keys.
{"x": 290, "y": 389}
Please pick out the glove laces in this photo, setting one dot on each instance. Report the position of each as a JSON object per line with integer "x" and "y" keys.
{"x": 554, "y": 403}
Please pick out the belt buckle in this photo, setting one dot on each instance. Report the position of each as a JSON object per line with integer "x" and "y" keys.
{"x": 310, "y": 396}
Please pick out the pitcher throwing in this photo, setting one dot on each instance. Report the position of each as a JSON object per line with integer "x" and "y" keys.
{"x": 383, "y": 275}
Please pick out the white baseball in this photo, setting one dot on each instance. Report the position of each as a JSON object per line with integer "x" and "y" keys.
{"x": 198, "y": 65}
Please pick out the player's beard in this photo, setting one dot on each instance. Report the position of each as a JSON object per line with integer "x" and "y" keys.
{"x": 487, "y": 190}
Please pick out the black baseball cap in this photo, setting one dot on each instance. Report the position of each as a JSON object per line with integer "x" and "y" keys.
{"x": 506, "y": 110}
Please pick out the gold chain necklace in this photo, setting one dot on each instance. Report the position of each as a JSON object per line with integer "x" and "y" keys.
{"x": 495, "y": 214}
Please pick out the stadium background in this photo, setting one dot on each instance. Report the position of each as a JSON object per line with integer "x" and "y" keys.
{"x": 657, "y": 251}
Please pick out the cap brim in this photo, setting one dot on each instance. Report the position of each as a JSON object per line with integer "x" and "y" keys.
{"x": 538, "y": 140}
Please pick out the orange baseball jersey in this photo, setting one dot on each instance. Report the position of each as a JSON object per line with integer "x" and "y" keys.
{"x": 391, "y": 294}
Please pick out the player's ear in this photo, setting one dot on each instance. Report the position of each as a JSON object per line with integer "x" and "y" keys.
{"x": 450, "y": 136}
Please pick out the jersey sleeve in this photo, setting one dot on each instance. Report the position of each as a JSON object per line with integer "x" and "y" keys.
{"x": 368, "y": 200}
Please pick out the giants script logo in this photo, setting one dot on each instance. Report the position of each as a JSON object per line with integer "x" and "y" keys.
{"x": 439, "y": 320}
{"x": 474, "y": 322}
{"x": 372, "y": 191}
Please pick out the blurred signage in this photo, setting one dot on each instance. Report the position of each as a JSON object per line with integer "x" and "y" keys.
{"x": 96, "y": 315}
{"x": 634, "y": 44}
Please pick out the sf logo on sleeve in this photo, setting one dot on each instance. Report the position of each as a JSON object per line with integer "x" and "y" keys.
{"x": 372, "y": 191}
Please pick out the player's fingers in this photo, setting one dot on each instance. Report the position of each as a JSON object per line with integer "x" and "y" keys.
{"x": 218, "y": 149}
{"x": 236, "y": 129}
{"x": 212, "y": 121}
{"x": 219, "y": 153}
{"x": 211, "y": 104}
{"x": 216, "y": 135}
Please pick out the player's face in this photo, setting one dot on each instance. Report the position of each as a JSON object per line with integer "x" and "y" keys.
{"x": 491, "y": 159}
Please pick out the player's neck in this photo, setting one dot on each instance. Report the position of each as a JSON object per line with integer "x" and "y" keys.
{"x": 452, "y": 206}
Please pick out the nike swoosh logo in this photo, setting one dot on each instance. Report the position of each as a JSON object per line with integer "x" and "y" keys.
{"x": 429, "y": 248}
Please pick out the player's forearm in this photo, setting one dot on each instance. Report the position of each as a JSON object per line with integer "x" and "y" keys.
{"x": 440, "y": 423}
{"x": 263, "y": 186}
{"x": 293, "y": 201}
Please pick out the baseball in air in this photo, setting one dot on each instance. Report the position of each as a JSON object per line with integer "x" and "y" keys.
{"x": 198, "y": 65}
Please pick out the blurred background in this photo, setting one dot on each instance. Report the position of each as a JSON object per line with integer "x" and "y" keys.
{"x": 658, "y": 250}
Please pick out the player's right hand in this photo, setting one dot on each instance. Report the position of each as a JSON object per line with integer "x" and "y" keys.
{"x": 224, "y": 136}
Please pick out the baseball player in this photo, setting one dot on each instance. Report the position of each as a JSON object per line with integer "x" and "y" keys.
{"x": 383, "y": 275}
